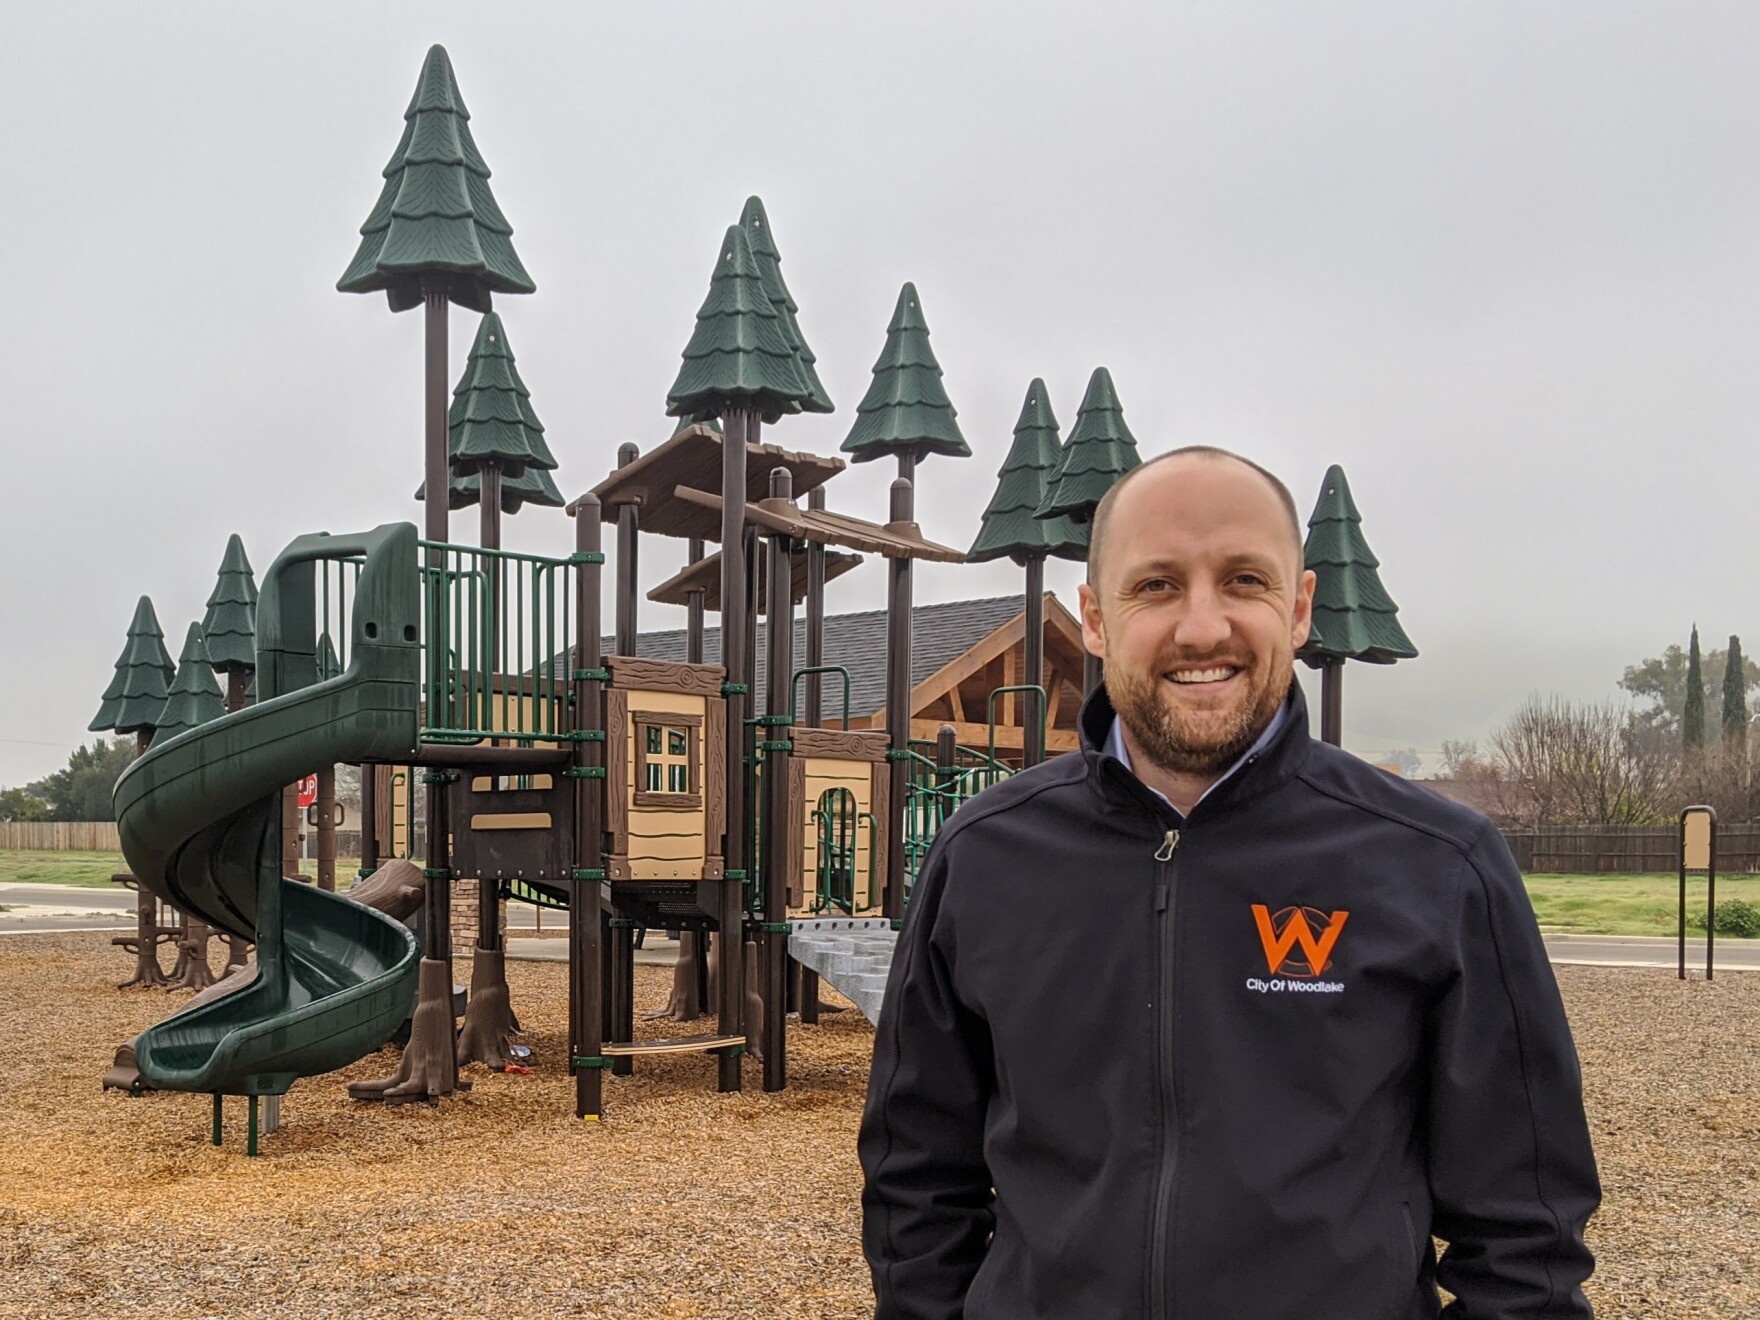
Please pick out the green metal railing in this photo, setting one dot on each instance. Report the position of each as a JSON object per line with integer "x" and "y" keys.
{"x": 794, "y": 689}
{"x": 933, "y": 792}
{"x": 496, "y": 631}
{"x": 837, "y": 835}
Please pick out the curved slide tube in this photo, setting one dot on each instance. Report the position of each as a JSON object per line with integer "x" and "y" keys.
{"x": 200, "y": 820}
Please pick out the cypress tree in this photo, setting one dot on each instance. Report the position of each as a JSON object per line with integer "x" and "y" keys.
{"x": 136, "y": 696}
{"x": 436, "y": 216}
{"x": 740, "y": 354}
{"x": 906, "y": 411}
{"x": 1009, "y": 526}
{"x": 229, "y": 628}
{"x": 1099, "y": 451}
{"x": 194, "y": 698}
{"x": 763, "y": 240}
{"x": 1735, "y": 698}
{"x": 1693, "y": 716}
{"x": 1354, "y": 617}
{"x": 491, "y": 419}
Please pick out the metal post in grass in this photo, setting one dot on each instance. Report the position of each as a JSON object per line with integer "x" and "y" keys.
{"x": 1698, "y": 851}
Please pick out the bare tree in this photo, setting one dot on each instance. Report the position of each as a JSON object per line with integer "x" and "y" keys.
{"x": 1556, "y": 762}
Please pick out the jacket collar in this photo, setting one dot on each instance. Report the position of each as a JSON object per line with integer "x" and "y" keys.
{"x": 1274, "y": 764}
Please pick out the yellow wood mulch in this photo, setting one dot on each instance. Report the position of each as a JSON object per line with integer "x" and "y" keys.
{"x": 683, "y": 1202}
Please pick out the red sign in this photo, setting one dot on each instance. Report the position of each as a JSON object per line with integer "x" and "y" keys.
{"x": 308, "y": 791}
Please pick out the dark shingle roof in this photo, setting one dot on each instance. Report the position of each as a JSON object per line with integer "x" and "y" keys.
{"x": 941, "y": 634}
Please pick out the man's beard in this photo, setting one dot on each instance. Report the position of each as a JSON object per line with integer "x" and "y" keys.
{"x": 1172, "y": 740}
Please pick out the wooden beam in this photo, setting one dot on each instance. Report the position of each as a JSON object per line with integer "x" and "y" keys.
{"x": 977, "y": 736}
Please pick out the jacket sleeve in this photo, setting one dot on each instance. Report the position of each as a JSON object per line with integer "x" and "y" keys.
{"x": 1512, "y": 1173}
{"x": 927, "y": 1200}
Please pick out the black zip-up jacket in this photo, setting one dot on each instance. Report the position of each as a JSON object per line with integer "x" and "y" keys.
{"x": 1236, "y": 1067}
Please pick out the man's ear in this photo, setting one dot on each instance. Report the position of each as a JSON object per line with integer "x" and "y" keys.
{"x": 1302, "y": 620}
{"x": 1093, "y": 626}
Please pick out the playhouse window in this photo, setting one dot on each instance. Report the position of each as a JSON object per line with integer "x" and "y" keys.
{"x": 668, "y": 760}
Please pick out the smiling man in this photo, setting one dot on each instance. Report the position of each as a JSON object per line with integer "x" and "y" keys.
{"x": 1212, "y": 1021}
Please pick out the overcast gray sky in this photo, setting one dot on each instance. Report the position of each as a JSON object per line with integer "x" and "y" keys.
{"x": 1500, "y": 260}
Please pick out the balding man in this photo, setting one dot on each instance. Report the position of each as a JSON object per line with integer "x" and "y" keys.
{"x": 1212, "y": 1021}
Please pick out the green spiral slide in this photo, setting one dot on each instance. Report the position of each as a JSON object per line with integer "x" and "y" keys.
{"x": 200, "y": 820}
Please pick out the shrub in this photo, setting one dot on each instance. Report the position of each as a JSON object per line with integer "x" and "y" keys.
{"x": 1736, "y": 917}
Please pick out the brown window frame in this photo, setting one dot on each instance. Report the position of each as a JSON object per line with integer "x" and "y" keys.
{"x": 643, "y": 720}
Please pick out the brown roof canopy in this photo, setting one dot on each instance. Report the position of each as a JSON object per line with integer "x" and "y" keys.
{"x": 705, "y": 576}
{"x": 894, "y": 540}
{"x": 691, "y": 461}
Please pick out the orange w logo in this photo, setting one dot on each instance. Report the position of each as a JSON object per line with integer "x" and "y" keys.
{"x": 1280, "y": 932}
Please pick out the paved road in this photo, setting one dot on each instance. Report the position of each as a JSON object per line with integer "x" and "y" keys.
{"x": 1644, "y": 951}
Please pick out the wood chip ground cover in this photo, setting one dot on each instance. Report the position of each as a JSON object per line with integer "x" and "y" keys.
{"x": 683, "y": 1203}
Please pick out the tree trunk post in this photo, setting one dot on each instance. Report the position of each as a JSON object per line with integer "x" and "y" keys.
{"x": 898, "y": 701}
{"x": 1032, "y": 705}
{"x": 737, "y": 426}
{"x": 1332, "y": 701}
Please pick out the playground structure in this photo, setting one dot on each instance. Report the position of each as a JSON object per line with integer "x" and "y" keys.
{"x": 721, "y": 800}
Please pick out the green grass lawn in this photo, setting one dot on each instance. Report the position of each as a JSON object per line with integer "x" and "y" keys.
{"x": 89, "y": 869}
{"x": 1572, "y": 904}
{"x": 92, "y": 870}
{"x": 1627, "y": 904}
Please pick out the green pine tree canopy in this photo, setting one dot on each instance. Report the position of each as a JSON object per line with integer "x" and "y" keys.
{"x": 491, "y": 420}
{"x": 136, "y": 696}
{"x": 229, "y": 628}
{"x": 1354, "y": 617}
{"x": 195, "y": 697}
{"x": 1099, "y": 451}
{"x": 1009, "y": 526}
{"x": 534, "y": 486}
{"x": 763, "y": 240}
{"x": 1735, "y": 698}
{"x": 906, "y": 410}
{"x": 1693, "y": 717}
{"x": 436, "y": 218}
{"x": 739, "y": 354}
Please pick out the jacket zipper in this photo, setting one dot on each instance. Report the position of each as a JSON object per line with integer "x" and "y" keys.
{"x": 1169, "y": 1164}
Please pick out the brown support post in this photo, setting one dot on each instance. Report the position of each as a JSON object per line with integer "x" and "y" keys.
{"x": 290, "y": 832}
{"x": 690, "y": 975}
{"x": 586, "y": 1059}
{"x": 621, "y": 999}
{"x": 1032, "y": 705}
{"x": 369, "y": 821}
{"x": 779, "y": 660}
{"x": 812, "y": 714}
{"x": 628, "y": 524}
{"x": 693, "y": 625}
{"x": 1332, "y": 701}
{"x": 730, "y": 1008}
{"x": 437, "y": 919}
{"x": 898, "y": 702}
{"x": 325, "y": 807}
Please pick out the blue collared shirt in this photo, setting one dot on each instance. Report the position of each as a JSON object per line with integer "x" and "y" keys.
{"x": 1115, "y": 747}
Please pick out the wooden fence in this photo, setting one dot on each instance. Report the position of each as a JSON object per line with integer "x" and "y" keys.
{"x": 1594, "y": 849}
{"x": 60, "y": 836}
